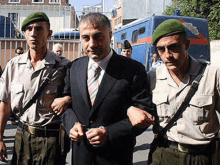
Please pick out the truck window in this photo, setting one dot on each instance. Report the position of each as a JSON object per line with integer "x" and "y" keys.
{"x": 135, "y": 36}
{"x": 142, "y": 30}
{"x": 123, "y": 36}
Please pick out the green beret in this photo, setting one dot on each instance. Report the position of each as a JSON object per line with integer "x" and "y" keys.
{"x": 34, "y": 17}
{"x": 126, "y": 45}
{"x": 166, "y": 28}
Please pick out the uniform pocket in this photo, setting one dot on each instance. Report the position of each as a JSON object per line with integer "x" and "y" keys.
{"x": 17, "y": 94}
{"x": 161, "y": 101}
{"x": 200, "y": 106}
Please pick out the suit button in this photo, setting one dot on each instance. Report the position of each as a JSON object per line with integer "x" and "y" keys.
{"x": 91, "y": 122}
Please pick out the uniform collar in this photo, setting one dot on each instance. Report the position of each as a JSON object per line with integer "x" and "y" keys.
{"x": 50, "y": 58}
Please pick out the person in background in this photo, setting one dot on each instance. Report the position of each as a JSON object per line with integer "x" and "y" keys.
{"x": 58, "y": 49}
{"x": 126, "y": 49}
{"x": 103, "y": 85}
{"x": 190, "y": 139}
{"x": 19, "y": 51}
{"x": 37, "y": 135}
{"x": 156, "y": 62}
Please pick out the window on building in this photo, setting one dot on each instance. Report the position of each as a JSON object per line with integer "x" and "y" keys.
{"x": 123, "y": 36}
{"x": 116, "y": 22}
{"x": 119, "y": 20}
{"x": 134, "y": 36}
{"x": 114, "y": 13}
{"x": 14, "y": 17}
{"x": 14, "y": 1}
{"x": 54, "y": 1}
{"x": 39, "y": 1}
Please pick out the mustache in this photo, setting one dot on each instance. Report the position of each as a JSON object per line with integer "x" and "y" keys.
{"x": 170, "y": 59}
{"x": 92, "y": 49}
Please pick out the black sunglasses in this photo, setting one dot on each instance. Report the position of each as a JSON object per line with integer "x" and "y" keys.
{"x": 172, "y": 47}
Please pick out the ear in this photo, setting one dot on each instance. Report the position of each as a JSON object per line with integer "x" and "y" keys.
{"x": 50, "y": 32}
{"x": 187, "y": 44}
{"x": 110, "y": 34}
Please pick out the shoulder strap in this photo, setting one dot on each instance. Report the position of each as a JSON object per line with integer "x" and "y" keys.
{"x": 186, "y": 101}
{"x": 43, "y": 85}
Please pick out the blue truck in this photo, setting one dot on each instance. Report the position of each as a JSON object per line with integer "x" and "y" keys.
{"x": 139, "y": 34}
{"x": 67, "y": 35}
{"x": 8, "y": 28}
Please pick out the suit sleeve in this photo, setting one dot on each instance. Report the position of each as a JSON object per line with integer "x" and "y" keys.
{"x": 66, "y": 89}
{"x": 68, "y": 117}
{"x": 140, "y": 98}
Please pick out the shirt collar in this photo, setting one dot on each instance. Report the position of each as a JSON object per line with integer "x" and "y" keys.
{"x": 194, "y": 66}
{"x": 102, "y": 63}
{"x": 50, "y": 58}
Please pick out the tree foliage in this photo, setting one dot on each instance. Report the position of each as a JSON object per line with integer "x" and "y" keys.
{"x": 208, "y": 9}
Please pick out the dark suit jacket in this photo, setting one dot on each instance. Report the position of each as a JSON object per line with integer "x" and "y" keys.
{"x": 123, "y": 85}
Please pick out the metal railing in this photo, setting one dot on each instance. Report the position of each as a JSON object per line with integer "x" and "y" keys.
{"x": 71, "y": 48}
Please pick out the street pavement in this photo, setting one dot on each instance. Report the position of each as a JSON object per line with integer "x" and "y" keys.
{"x": 140, "y": 152}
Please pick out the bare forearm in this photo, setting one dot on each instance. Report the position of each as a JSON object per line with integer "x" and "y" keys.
{"x": 4, "y": 114}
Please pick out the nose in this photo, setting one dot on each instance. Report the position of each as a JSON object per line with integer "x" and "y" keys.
{"x": 92, "y": 43}
{"x": 168, "y": 53}
{"x": 33, "y": 32}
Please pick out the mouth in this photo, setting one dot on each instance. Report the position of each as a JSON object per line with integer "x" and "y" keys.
{"x": 94, "y": 52}
{"x": 33, "y": 40}
{"x": 170, "y": 63}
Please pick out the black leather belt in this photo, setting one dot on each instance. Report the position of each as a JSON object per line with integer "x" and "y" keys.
{"x": 46, "y": 131}
{"x": 191, "y": 149}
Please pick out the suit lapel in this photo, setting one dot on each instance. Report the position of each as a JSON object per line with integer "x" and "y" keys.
{"x": 82, "y": 81}
{"x": 110, "y": 77}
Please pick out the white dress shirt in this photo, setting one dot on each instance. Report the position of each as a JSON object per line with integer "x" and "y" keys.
{"x": 102, "y": 64}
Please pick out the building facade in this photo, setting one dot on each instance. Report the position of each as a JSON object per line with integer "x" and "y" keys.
{"x": 13, "y": 12}
{"x": 62, "y": 16}
{"x": 89, "y": 9}
{"x": 127, "y": 11}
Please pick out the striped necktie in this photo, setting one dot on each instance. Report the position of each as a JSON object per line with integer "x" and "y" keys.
{"x": 93, "y": 81}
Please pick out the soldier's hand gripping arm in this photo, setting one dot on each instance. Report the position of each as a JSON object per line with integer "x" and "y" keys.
{"x": 59, "y": 105}
{"x": 139, "y": 117}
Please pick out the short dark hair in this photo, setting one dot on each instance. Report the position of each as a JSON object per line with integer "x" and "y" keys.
{"x": 96, "y": 19}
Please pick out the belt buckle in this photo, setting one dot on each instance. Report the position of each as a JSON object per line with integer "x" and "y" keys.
{"x": 31, "y": 130}
{"x": 183, "y": 148}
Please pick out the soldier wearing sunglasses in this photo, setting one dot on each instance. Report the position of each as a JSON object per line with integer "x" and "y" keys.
{"x": 189, "y": 140}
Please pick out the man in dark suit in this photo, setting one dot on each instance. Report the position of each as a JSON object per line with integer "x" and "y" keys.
{"x": 98, "y": 122}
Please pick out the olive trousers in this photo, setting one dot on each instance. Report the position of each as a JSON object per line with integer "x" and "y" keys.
{"x": 171, "y": 156}
{"x": 30, "y": 149}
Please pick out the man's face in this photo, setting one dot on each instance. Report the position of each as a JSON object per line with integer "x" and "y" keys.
{"x": 173, "y": 52}
{"x": 58, "y": 50}
{"x": 155, "y": 57}
{"x": 37, "y": 35}
{"x": 126, "y": 52}
{"x": 95, "y": 40}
